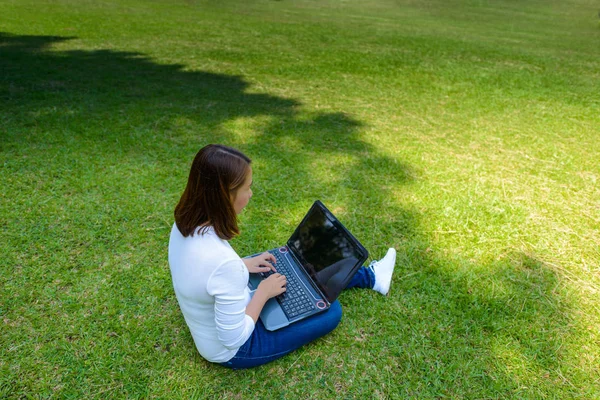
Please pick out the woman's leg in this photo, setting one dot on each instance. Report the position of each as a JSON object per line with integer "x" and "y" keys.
{"x": 377, "y": 276}
{"x": 265, "y": 346}
{"x": 364, "y": 278}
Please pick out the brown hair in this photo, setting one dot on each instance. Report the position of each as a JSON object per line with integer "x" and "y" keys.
{"x": 216, "y": 173}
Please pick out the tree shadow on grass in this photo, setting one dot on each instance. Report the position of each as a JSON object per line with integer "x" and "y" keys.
{"x": 119, "y": 109}
{"x": 111, "y": 86}
{"x": 122, "y": 109}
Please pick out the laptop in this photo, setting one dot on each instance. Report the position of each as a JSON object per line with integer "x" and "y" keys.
{"x": 318, "y": 260}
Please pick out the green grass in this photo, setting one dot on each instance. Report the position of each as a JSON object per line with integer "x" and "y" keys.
{"x": 463, "y": 133}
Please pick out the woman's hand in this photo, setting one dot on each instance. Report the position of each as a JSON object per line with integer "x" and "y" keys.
{"x": 273, "y": 286}
{"x": 260, "y": 263}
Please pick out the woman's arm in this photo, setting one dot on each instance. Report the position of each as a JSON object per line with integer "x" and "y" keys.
{"x": 233, "y": 318}
{"x": 228, "y": 285}
{"x": 273, "y": 286}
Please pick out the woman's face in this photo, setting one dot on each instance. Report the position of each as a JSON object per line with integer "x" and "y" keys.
{"x": 244, "y": 193}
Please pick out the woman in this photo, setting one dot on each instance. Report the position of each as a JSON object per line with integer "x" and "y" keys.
{"x": 211, "y": 280}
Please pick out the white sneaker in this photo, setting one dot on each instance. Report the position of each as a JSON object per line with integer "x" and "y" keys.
{"x": 383, "y": 270}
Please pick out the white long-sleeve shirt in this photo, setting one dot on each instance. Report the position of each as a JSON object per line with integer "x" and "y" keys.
{"x": 211, "y": 285}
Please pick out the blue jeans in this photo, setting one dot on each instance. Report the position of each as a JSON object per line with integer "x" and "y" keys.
{"x": 264, "y": 346}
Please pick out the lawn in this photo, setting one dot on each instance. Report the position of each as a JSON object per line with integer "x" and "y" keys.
{"x": 463, "y": 133}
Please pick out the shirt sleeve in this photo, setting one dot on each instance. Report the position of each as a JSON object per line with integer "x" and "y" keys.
{"x": 227, "y": 285}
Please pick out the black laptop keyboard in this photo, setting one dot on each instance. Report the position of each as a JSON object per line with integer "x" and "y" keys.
{"x": 294, "y": 301}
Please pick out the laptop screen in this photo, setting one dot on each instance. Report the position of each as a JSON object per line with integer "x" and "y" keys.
{"x": 328, "y": 252}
